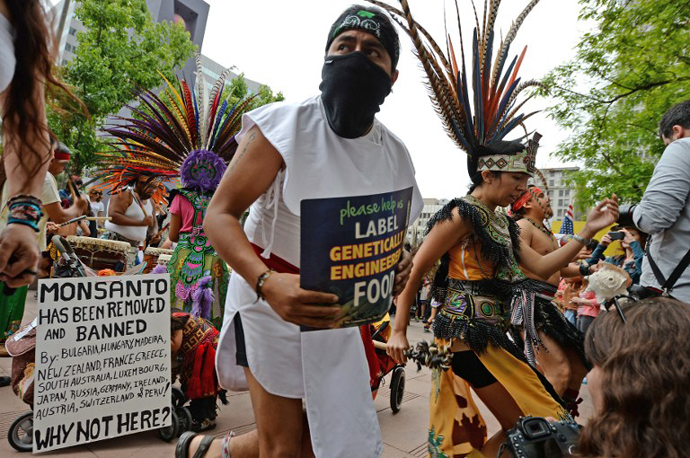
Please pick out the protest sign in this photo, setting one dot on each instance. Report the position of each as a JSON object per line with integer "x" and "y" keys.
{"x": 102, "y": 359}
{"x": 350, "y": 247}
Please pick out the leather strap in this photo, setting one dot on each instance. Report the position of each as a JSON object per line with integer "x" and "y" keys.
{"x": 667, "y": 284}
{"x": 205, "y": 444}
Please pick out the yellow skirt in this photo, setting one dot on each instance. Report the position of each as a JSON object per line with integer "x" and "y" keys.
{"x": 457, "y": 429}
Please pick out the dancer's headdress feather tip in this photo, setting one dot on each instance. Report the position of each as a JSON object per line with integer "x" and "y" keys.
{"x": 477, "y": 120}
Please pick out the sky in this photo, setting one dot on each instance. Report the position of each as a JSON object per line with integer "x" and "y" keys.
{"x": 281, "y": 44}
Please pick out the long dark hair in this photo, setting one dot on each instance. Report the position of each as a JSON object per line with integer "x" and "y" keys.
{"x": 35, "y": 51}
{"x": 645, "y": 381}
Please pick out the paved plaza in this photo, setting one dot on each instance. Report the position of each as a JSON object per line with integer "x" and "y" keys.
{"x": 404, "y": 433}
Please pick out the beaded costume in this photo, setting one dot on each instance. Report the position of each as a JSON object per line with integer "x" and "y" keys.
{"x": 484, "y": 292}
{"x": 190, "y": 135}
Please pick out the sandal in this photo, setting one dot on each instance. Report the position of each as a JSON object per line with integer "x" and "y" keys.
{"x": 182, "y": 447}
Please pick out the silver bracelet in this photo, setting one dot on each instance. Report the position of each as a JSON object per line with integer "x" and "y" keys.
{"x": 582, "y": 240}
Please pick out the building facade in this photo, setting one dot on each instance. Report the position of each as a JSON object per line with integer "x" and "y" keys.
{"x": 560, "y": 193}
{"x": 192, "y": 13}
{"x": 417, "y": 228}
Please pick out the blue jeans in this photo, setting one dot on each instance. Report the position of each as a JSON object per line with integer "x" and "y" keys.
{"x": 571, "y": 316}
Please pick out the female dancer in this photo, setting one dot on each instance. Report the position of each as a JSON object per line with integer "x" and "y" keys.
{"x": 479, "y": 247}
{"x": 480, "y": 250}
{"x": 199, "y": 277}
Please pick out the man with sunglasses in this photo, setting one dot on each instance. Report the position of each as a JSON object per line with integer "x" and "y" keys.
{"x": 97, "y": 209}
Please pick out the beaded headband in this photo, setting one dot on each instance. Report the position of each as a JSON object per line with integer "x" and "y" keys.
{"x": 522, "y": 162}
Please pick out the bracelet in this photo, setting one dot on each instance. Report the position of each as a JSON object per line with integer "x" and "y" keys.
{"x": 582, "y": 240}
{"x": 260, "y": 283}
{"x": 26, "y": 210}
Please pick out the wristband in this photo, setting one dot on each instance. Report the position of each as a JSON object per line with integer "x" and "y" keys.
{"x": 26, "y": 210}
{"x": 260, "y": 283}
{"x": 580, "y": 239}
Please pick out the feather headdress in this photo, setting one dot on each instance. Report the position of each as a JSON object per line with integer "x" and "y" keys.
{"x": 169, "y": 131}
{"x": 478, "y": 105}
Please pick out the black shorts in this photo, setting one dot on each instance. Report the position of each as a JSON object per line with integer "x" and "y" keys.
{"x": 468, "y": 366}
{"x": 241, "y": 350}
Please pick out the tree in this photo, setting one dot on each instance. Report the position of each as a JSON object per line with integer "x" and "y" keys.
{"x": 627, "y": 72}
{"x": 238, "y": 90}
{"x": 121, "y": 51}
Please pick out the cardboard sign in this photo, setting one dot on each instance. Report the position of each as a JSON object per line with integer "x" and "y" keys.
{"x": 350, "y": 247}
{"x": 102, "y": 359}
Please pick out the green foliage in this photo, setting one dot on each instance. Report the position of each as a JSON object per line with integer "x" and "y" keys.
{"x": 237, "y": 90}
{"x": 122, "y": 50}
{"x": 627, "y": 72}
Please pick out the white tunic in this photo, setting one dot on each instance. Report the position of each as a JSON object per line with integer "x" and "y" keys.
{"x": 328, "y": 368}
{"x": 7, "y": 58}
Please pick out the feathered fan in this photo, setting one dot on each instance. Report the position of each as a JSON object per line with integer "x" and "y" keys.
{"x": 167, "y": 128}
{"x": 491, "y": 111}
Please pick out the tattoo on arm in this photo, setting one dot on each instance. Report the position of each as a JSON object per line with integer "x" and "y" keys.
{"x": 235, "y": 160}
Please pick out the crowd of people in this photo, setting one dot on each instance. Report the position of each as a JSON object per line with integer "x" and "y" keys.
{"x": 511, "y": 305}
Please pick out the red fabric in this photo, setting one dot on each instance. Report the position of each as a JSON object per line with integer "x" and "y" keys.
{"x": 62, "y": 155}
{"x": 209, "y": 384}
{"x": 194, "y": 386}
{"x": 370, "y": 351}
{"x": 280, "y": 265}
{"x": 523, "y": 199}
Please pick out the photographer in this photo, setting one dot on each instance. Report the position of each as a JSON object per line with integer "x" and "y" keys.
{"x": 632, "y": 241}
{"x": 664, "y": 212}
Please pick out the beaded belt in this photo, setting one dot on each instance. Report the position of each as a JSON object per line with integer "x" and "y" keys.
{"x": 469, "y": 301}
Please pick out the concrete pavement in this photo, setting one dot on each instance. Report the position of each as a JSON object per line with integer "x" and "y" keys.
{"x": 404, "y": 433}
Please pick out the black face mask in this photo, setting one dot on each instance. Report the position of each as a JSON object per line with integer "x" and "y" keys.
{"x": 352, "y": 89}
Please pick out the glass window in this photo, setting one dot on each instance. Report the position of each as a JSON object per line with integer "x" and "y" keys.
{"x": 567, "y": 192}
{"x": 560, "y": 202}
{"x": 560, "y": 193}
{"x": 551, "y": 182}
{"x": 72, "y": 31}
{"x": 560, "y": 212}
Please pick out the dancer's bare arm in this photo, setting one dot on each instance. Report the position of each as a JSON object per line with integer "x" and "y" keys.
{"x": 440, "y": 239}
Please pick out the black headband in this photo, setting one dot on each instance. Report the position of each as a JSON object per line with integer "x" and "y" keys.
{"x": 370, "y": 20}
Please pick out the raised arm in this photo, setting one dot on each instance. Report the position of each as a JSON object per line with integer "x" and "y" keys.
{"x": 603, "y": 215}
{"x": 442, "y": 237}
{"x": 251, "y": 172}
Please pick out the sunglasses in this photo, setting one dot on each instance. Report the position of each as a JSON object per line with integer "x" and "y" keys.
{"x": 614, "y": 302}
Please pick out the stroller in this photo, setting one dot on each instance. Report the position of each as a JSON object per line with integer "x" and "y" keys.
{"x": 374, "y": 337}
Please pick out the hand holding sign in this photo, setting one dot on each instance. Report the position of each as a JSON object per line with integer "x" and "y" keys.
{"x": 297, "y": 305}
{"x": 353, "y": 247}
{"x": 403, "y": 273}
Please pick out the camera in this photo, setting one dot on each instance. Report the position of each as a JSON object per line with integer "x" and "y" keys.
{"x": 625, "y": 215}
{"x": 536, "y": 437}
{"x": 616, "y": 235}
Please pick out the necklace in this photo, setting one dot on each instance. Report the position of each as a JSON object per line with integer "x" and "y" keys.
{"x": 544, "y": 230}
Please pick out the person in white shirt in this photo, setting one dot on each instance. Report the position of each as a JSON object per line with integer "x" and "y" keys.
{"x": 327, "y": 146}
{"x": 97, "y": 210}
